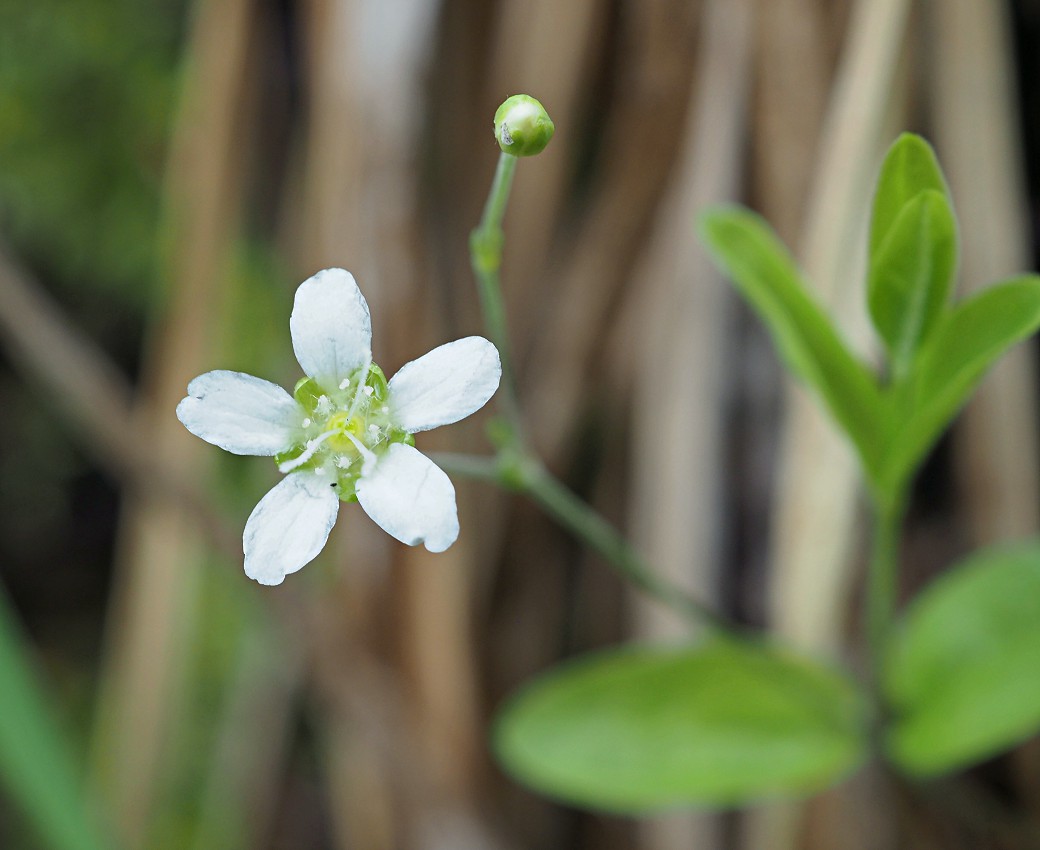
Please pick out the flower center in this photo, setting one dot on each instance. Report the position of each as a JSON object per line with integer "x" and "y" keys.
{"x": 340, "y": 424}
{"x": 342, "y": 428}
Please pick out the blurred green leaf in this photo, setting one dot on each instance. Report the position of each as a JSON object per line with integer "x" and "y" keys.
{"x": 963, "y": 673}
{"x": 643, "y": 727}
{"x": 86, "y": 91}
{"x": 35, "y": 764}
{"x": 964, "y": 345}
{"x": 910, "y": 276}
{"x": 746, "y": 248}
{"x": 910, "y": 167}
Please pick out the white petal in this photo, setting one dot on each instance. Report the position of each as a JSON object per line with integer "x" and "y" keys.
{"x": 289, "y": 526}
{"x": 241, "y": 414}
{"x": 331, "y": 327}
{"x": 410, "y": 498}
{"x": 446, "y": 385}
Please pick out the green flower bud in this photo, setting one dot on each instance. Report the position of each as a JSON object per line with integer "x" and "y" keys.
{"x": 522, "y": 126}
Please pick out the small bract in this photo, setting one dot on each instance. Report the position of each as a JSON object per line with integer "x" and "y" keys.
{"x": 346, "y": 432}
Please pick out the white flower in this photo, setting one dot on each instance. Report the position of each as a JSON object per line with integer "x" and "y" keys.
{"x": 345, "y": 433}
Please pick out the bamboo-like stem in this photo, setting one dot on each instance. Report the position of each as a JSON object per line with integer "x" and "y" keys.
{"x": 812, "y": 567}
{"x": 151, "y": 618}
{"x": 678, "y": 483}
{"x": 978, "y": 137}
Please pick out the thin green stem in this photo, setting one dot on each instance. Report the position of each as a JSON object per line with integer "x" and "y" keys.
{"x": 882, "y": 584}
{"x": 585, "y": 523}
{"x": 515, "y": 467}
{"x": 498, "y": 197}
{"x": 527, "y": 475}
{"x": 485, "y": 245}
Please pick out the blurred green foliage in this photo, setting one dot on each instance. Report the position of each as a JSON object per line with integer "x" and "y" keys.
{"x": 86, "y": 90}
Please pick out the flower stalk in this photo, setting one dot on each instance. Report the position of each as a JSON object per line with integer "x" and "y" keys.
{"x": 486, "y": 243}
{"x": 589, "y": 526}
{"x": 516, "y": 467}
{"x": 526, "y": 475}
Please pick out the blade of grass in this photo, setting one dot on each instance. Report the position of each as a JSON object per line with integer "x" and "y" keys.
{"x": 36, "y": 766}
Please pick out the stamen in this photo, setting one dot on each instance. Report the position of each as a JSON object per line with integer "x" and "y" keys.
{"x": 306, "y": 423}
{"x": 369, "y": 457}
{"x": 361, "y": 385}
{"x": 344, "y": 383}
{"x": 307, "y": 454}
{"x": 324, "y": 406}
{"x": 369, "y": 390}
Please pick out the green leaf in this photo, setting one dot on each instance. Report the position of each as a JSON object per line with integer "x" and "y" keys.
{"x": 643, "y": 727}
{"x": 963, "y": 673}
{"x": 910, "y": 167}
{"x": 965, "y": 343}
{"x": 745, "y": 247}
{"x": 910, "y": 275}
{"x": 36, "y": 768}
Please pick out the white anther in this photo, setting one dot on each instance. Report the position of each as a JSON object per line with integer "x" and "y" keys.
{"x": 384, "y": 409}
{"x": 374, "y": 429}
{"x": 344, "y": 383}
{"x": 368, "y": 459}
{"x": 357, "y": 395}
{"x": 368, "y": 391}
{"x": 324, "y": 406}
{"x": 306, "y": 423}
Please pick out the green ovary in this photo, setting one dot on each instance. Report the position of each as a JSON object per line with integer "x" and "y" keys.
{"x": 337, "y": 417}
{"x": 341, "y": 424}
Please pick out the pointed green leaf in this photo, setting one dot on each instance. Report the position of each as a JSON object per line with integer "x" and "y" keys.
{"x": 36, "y": 768}
{"x": 910, "y": 276}
{"x": 910, "y": 167}
{"x": 963, "y": 674}
{"x": 746, "y": 248}
{"x": 964, "y": 345}
{"x": 644, "y": 727}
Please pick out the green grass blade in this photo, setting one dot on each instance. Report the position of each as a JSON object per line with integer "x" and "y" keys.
{"x": 36, "y": 767}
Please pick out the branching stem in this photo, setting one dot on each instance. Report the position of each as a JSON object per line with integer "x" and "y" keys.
{"x": 515, "y": 466}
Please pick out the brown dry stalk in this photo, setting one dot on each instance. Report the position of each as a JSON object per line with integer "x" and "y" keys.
{"x": 677, "y": 495}
{"x": 159, "y": 549}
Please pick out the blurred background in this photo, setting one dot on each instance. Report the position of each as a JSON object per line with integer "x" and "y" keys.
{"x": 170, "y": 170}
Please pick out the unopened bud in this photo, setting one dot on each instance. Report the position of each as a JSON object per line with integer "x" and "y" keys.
{"x": 522, "y": 126}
